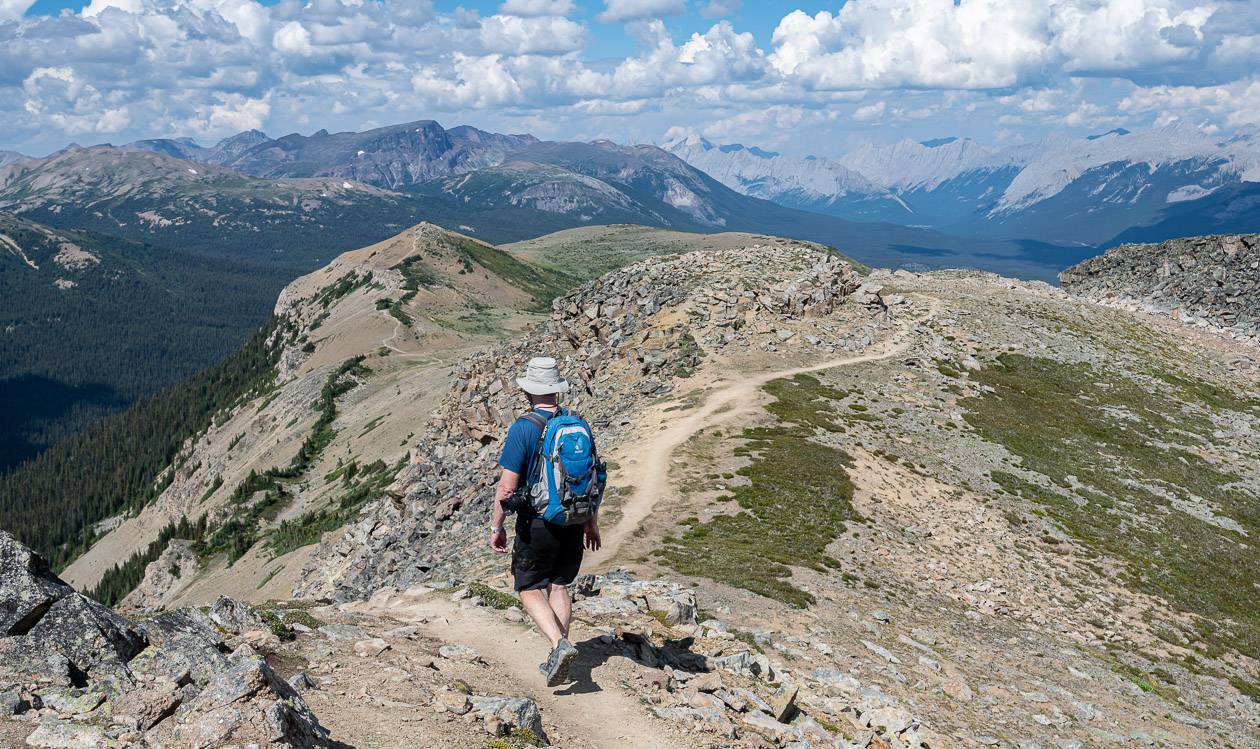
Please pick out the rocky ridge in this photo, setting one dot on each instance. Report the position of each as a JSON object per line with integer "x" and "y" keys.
{"x": 1209, "y": 282}
{"x": 620, "y": 339}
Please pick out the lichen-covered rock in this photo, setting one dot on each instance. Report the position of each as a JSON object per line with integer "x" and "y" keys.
{"x": 235, "y": 616}
{"x": 248, "y": 704}
{"x": 29, "y": 585}
{"x": 97, "y": 675}
{"x": 51, "y": 634}
{"x": 96, "y": 641}
{"x": 59, "y": 734}
{"x": 186, "y": 646}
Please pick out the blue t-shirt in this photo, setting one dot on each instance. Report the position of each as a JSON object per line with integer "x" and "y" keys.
{"x": 520, "y": 447}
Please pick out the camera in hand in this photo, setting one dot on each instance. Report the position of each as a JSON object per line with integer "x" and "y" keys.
{"x": 518, "y": 502}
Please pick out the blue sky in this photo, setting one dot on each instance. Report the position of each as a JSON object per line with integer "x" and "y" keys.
{"x": 802, "y": 77}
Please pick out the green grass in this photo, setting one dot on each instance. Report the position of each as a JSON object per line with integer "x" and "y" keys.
{"x": 362, "y": 485}
{"x": 343, "y": 286}
{"x": 491, "y": 597}
{"x": 543, "y": 284}
{"x": 241, "y": 528}
{"x": 416, "y": 275}
{"x": 1114, "y": 452}
{"x": 797, "y": 501}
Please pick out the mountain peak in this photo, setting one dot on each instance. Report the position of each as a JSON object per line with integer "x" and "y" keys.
{"x": 1117, "y": 132}
{"x": 936, "y": 142}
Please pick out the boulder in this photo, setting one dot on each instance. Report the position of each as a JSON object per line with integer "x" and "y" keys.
{"x": 29, "y": 585}
{"x": 248, "y": 704}
{"x": 511, "y": 712}
{"x": 59, "y": 734}
{"x": 235, "y": 616}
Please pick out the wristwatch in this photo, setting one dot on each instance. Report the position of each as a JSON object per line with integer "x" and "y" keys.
{"x": 495, "y": 530}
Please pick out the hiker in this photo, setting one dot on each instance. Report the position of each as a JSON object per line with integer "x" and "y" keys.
{"x": 553, "y": 480}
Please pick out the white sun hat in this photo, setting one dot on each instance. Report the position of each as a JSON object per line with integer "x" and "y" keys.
{"x": 542, "y": 377}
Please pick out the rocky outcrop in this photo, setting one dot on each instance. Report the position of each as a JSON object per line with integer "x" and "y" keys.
{"x": 164, "y": 577}
{"x": 85, "y": 676}
{"x": 1209, "y": 281}
{"x": 621, "y": 340}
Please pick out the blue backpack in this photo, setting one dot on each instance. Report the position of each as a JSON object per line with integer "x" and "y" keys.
{"x": 567, "y": 481}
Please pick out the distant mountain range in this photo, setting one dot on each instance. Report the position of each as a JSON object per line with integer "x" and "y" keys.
{"x": 1096, "y": 190}
{"x": 298, "y": 197}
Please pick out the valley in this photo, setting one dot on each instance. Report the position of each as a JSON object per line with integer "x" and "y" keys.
{"x": 833, "y": 492}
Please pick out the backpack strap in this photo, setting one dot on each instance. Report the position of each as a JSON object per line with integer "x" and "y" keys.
{"x": 541, "y": 423}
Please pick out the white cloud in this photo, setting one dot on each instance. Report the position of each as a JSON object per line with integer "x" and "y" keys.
{"x": 516, "y": 35}
{"x": 988, "y": 44}
{"x": 537, "y": 7}
{"x": 144, "y": 68}
{"x": 1234, "y": 104}
{"x": 870, "y": 112}
{"x": 720, "y": 8}
{"x": 619, "y": 11}
{"x": 293, "y": 37}
{"x": 14, "y": 8}
{"x": 771, "y": 125}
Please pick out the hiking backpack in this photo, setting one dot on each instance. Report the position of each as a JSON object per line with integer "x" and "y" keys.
{"x": 567, "y": 480}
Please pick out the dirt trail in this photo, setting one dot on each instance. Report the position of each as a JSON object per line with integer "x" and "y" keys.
{"x": 649, "y": 475}
{"x": 596, "y": 710}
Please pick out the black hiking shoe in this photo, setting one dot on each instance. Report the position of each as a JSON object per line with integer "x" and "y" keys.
{"x": 556, "y": 667}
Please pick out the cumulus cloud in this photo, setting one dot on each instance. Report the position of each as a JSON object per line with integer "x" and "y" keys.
{"x": 619, "y": 11}
{"x": 517, "y": 35}
{"x": 537, "y": 7}
{"x": 14, "y": 8}
{"x": 989, "y": 44}
{"x": 143, "y": 68}
{"x": 1234, "y": 104}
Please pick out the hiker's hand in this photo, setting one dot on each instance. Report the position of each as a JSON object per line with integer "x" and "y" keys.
{"x": 498, "y": 541}
{"x": 592, "y": 536}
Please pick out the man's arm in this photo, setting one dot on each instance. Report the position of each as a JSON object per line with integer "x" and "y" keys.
{"x": 507, "y": 484}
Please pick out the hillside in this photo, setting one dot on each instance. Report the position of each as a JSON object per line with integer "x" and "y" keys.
{"x": 91, "y": 323}
{"x": 941, "y": 509}
{"x": 375, "y": 329}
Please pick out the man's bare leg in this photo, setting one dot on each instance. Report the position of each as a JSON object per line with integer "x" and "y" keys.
{"x": 536, "y": 605}
{"x": 561, "y": 606}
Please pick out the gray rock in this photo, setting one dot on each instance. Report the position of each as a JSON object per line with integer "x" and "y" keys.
{"x": 59, "y": 734}
{"x": 302, "y": 682}
{"x": 343, "y": 632}
{"x": 1212, "y": 279}
{"x": 513, "y": 712}
{"x": 461, "y": 653}
{"x": 12, "y": 703}
{"x": 235, "y": 616}
{"x": 71, "y": 702}
{"x": 185, "y": 646}
{"x": 891, "y": 719}
{"x": 248, "y": 704}
{"x": 881, "y": 651}
{"x": 29, "y": 585}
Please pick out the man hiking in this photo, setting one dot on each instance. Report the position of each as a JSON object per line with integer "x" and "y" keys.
{"x": 552, "y": 478}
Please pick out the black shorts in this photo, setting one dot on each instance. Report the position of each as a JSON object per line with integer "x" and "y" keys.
{"x": 545, "y": 553}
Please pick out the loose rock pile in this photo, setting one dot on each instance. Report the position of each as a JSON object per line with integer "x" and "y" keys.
{"x": 701, "y": 675}
{"x": 1208, "y": 281}
{"x": 619, "y": 339}
{"x": 84, "y": 676}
